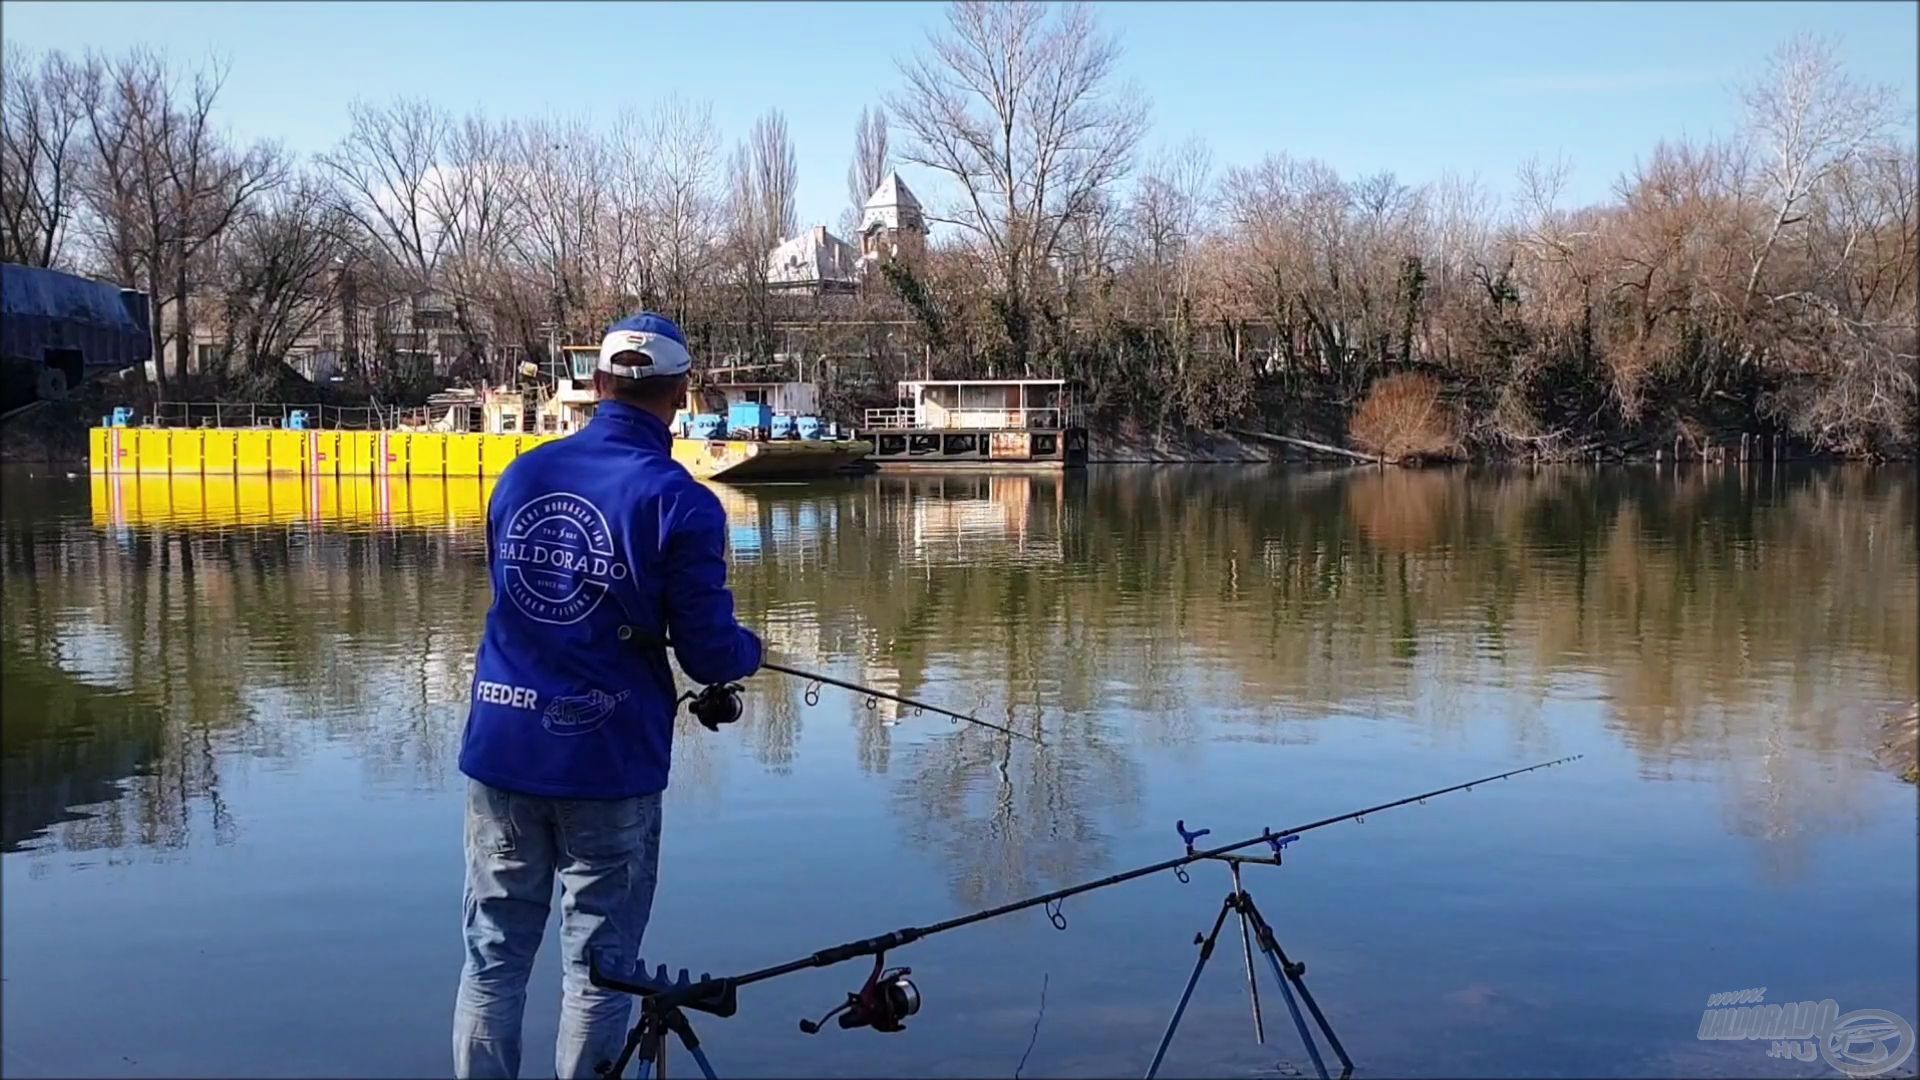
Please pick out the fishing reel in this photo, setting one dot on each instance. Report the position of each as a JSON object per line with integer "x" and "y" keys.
{"x": 886, "y": 999}
{"x": 716, "y": 705}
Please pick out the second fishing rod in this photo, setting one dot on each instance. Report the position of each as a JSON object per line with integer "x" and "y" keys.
{"x": 720, "y": 703}
{"x": 887, "y": 996}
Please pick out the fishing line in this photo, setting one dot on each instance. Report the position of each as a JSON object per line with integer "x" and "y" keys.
{"x": 815, "y": 680}
{"x": 813, "y": 697}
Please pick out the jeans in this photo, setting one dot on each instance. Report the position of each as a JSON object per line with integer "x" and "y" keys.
{"x": 607, "y": 854}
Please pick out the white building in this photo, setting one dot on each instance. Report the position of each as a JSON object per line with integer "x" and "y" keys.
{"x": 892, "y": 226}
{"x": 816, "y": 261}
{"x": 892, "y": 223}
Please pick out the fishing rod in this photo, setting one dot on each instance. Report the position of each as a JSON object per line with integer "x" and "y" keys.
{"x": 720, "y": 703}
{"x": 888, "y": 997}
{"x": 812, "y": 695}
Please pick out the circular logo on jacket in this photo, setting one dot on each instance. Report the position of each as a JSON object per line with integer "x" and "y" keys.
{"x": 558, "y": 558}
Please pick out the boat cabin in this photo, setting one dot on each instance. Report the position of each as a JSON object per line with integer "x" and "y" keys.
{"x": 794, "y": 398}
{"x": 999, "y": 421}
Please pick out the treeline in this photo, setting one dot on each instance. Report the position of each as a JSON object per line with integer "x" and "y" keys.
{"x": 1762, "y": 283}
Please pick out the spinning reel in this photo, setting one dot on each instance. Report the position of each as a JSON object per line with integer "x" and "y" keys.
{"x": 716, "y": 705}
{"x": 886, "y": 999}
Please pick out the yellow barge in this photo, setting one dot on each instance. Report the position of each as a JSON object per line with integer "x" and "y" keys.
{"x": 276, "y": 451}
{"x": 344, "y": 503}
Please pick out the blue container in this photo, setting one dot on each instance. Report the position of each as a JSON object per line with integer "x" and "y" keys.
{"x": 749, "y": 418}
{"x": 122, "y": 416}
{"x": 297, "y": 420}
{"x": 782, "y": 426}
{"x": 706, "y": 426}
{"x": 809, "y": 427}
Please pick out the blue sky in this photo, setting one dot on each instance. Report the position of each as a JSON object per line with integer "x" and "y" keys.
{"x": 1418, "y": 88}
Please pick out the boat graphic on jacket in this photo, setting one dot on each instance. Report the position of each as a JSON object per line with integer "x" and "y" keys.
{"x": 580, "y": 712}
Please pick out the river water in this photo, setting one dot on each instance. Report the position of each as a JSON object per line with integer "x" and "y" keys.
{"x": 232, "y": 814}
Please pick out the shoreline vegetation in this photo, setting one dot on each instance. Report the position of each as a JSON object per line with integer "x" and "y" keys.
{"x": 1757, "y": 289}
{"x": 55, "y": 433}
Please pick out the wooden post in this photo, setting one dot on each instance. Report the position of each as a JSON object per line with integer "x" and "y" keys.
{"x": 1676, "y": 449}
{"x": 1656, "y": 457}
{"x": 1743, "y": 446}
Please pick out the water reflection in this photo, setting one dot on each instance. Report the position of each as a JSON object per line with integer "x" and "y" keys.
{"x": 231, "y": 712}
{"x": 1752, "y": 623}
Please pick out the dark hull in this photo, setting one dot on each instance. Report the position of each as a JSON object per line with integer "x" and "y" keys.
{"x": 1024, "y": 448}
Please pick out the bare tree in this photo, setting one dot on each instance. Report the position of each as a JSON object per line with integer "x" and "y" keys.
{"x": 564, "y": 194}
{"x": 680, "y": 217}
{"x": 476, "y": 204}
{"x": 387, "y": 169}
{"x": 870, "y": 164}
{"x": 776, "y": 176}
{"x": 760, "y": 214}
{"x": 623, "y": 249}
{"x": 1168, "y": 219}
{"x": 41, "y": 147}
{"x": 128, "y": 122}
{"x": 1019, "y": 111}
{"x": 208, "y": 183}
{"x": 1852, "y": 347}
{"x": 162, "y": 183}
{"x": 1805, "y": 118}
{"x": 281, "y": 273}
{"x": 476, "y": 200}
{"x": 751, "y": 234}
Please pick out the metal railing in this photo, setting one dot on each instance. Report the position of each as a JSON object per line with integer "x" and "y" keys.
{"x": 909, "y": 419}
{"x": 246, "y": 414}
{"x": 891, "y": 420}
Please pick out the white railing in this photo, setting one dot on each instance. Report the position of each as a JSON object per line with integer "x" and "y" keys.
{"x": 907, "y": 419}
{"x": 891, "y": 420}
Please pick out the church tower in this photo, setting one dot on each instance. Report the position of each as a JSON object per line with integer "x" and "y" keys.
{"x": 892, "y": 224}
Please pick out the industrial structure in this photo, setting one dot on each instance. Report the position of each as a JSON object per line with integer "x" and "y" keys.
{"x": 58, "y": 329}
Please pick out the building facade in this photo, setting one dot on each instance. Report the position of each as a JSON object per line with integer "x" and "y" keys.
{"x": 433, "y": 330}
{"x": 892, "y": 226}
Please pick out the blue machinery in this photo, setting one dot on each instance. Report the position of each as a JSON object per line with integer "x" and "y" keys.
{"x": 755, "y": 421}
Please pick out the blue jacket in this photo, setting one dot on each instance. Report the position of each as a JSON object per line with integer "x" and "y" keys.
{"x": 586, "y": 536}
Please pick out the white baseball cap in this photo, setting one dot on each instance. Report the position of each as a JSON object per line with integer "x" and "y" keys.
{"x": 659, "y": 345}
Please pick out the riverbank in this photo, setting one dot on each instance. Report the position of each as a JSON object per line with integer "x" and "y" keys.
{"x": 46, "y": 433}
{"x": 55, "y": 433}
{"x": 1900, "y": 745}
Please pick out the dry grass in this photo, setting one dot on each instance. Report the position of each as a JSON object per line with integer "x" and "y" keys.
{"x": 1403, "y": 419}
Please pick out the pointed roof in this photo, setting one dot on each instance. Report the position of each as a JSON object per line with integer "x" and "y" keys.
{"x": 891, "y": 192}
{"x": 892, "y": 206}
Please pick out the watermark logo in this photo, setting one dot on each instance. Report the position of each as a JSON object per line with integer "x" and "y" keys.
{"x": 1864, "y": 1042}
{"x": 558, "y": 558}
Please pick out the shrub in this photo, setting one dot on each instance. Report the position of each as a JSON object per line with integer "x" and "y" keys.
{"x": 1403, "y": 418}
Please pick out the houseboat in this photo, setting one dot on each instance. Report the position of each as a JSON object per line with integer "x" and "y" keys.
{"x": 990, "y": 423}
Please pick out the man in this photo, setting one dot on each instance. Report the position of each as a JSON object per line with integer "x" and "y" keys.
{"x": 596, "y": 544}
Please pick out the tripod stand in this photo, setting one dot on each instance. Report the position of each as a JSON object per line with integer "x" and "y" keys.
{"x": 1254, "y": 927}
{"x": 648, "y": 1042}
